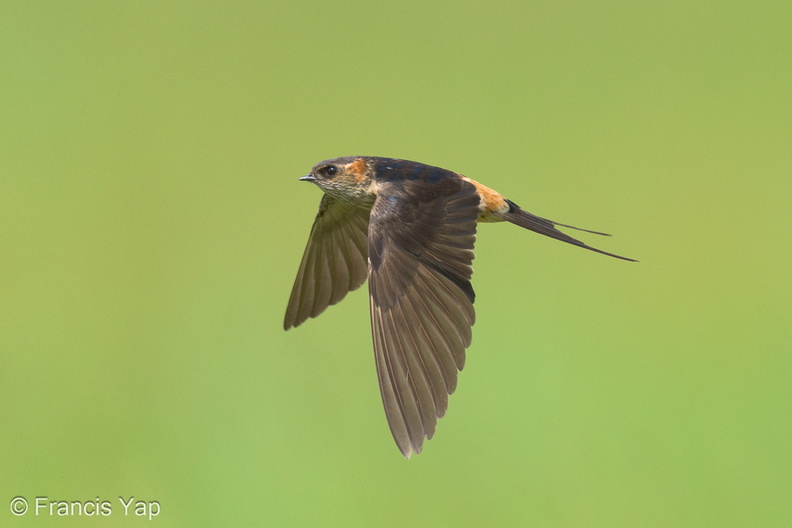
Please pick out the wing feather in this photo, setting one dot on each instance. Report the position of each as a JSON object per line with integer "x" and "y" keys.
{"x": 334, "y": 262}
{"x": 420, "y": 251}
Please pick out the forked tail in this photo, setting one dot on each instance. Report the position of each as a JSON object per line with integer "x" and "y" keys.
{"x": 546, "y": 227}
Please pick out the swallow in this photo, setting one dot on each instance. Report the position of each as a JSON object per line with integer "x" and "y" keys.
{"x": 410, "y": 229}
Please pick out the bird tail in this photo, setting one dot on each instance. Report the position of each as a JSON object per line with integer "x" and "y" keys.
{"x": 546, "y": 227}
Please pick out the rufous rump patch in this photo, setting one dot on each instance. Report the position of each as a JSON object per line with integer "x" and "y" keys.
{"x": 358, "y": 169}
{"x": 491, "y": 201}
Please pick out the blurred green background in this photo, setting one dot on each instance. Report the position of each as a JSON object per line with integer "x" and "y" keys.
{"x": 152, "y": 224}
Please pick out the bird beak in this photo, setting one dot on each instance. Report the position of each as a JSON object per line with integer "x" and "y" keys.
{"x": 308, "y": 178}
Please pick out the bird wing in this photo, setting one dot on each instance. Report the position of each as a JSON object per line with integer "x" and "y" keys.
{"x": 334, "y": 262}
{"x": 421, "y": 237}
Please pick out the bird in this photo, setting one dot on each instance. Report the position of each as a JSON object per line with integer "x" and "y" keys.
{"x": 410, "y": 229}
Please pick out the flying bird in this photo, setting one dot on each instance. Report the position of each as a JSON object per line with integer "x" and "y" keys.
{"x": 409, "y": 228}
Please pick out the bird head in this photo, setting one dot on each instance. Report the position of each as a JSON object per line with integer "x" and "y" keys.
{"x": 347, "y": 179}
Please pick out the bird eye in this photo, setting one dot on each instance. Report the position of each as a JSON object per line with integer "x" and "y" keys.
{"x": 331, "y": 170}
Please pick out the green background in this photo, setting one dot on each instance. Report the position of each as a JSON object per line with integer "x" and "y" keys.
{"x": 152, "y": 224}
